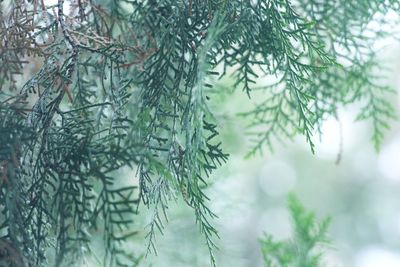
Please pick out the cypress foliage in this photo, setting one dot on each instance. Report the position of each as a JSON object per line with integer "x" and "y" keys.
{"x": 307, "y": 244}
{"x": 88, "y": 88}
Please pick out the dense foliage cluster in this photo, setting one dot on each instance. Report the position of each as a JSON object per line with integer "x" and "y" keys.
{"x": 89, "y": 88}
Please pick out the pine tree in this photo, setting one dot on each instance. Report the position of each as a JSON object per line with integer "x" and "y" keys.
{"x": 89, "y": 88}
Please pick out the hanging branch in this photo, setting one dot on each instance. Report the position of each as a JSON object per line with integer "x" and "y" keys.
{"x": 124, "y": 85}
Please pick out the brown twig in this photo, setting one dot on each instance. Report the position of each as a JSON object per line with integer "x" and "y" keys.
{"x": 190, "y": 7}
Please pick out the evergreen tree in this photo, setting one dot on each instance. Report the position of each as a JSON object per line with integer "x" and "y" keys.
{"x": 89, "y": 88}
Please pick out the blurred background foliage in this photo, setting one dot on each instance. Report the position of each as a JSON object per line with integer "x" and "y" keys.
{"x": 345, "y": 179}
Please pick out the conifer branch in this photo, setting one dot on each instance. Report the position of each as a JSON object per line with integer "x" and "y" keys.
{"x": 123, "y": 85}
